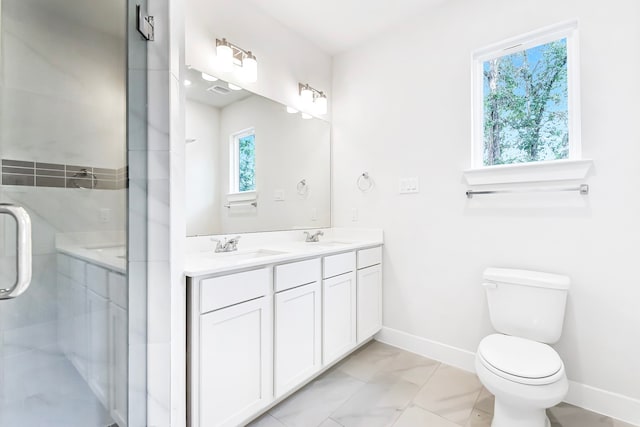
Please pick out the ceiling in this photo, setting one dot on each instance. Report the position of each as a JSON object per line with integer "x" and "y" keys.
{"x": 198, "y": 91}
{"x": 339, "y": 25}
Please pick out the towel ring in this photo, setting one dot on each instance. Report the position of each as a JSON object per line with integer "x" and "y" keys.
{"x": 364, "y": 182}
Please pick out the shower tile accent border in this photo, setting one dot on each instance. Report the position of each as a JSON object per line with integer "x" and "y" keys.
{"x": 54, "y": 175}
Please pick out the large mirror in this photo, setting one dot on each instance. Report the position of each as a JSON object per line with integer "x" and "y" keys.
{"x": 252, "y": 164}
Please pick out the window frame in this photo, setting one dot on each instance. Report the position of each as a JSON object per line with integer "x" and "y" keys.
{"x": 567, "y": 30}
{"x": 234, "y": 160}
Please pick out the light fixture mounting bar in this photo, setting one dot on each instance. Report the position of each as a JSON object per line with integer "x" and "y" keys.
{"x": 316, "y": 93}
{"x": 239, "y": 54}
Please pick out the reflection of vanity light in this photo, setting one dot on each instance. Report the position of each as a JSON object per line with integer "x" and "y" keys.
{"x": 306, "y": 116}
{"x": 233, "y": 87}
{"x": 209, "y": 77}
{"x": 291, "y": 110}
{"x": 230, "y": 57}
{"x": 187, "y": 83}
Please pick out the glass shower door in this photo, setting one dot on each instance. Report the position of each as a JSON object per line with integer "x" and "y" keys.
{"x": 64, "y": 345}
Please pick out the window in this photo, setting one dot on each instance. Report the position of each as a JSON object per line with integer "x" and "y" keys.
{"x": 243, "y": 161}
{"x": 525, "y": 99}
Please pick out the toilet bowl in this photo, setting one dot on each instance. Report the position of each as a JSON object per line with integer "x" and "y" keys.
{"x": 526, "y": 377}
{"x": 517, "y": 365}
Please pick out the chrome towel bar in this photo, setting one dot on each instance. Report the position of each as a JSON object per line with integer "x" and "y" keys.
{"x": 583, "y": 189}
{"x": 233, "y": 205}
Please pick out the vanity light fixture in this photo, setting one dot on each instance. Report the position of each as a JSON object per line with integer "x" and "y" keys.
{"x": 209, "y": 77}
{"x": 230, "y": 57}
{"x": 306, "y": 116}
{"x": 233, "y": 87}
{"x": 313, "y": 98}
{"x": 291, "y": 110}
{"x": 187, "y": 83}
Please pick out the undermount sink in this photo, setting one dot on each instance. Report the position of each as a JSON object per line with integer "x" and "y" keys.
{"x": 113, "y": 250}
{"x": 247, "y": 255}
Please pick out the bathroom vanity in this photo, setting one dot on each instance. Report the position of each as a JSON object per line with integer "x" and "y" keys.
{"x": 265, "y": 320}
{"x": 92, "y": 318}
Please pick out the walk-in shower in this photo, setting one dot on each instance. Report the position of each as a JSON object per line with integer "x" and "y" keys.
{"x": 69, "y": 341}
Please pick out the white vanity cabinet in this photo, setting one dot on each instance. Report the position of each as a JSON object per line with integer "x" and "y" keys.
{"x": 369, "y": 292}
{"x": 338, "y": 306}
{"x": 92, "y": 329}
{"x": 298, "y": 324}
{"x": 258, "y": 334}
{"x": 231, "y": 345}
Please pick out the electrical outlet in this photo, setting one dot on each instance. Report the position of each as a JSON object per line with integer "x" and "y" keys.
{"x": 314, "y": 214}
{"x": 354, "y": 214}
{"x": 278, "y": 195}
{"x": 105, "y": 215}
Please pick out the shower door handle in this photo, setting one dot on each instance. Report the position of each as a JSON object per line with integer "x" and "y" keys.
{"x": 23, "y": 252}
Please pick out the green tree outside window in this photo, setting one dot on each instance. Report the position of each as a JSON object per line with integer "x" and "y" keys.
{"x": 526, "y": 106}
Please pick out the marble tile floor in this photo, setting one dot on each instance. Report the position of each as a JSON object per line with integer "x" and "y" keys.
{"x": 51, "y": 394}
{"x": 383, "y": 386}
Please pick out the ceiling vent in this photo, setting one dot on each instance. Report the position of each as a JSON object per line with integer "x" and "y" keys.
{"x": 219, "y": 89}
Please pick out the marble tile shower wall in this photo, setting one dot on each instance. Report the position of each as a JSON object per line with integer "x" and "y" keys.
{"x": 37, "y": 174}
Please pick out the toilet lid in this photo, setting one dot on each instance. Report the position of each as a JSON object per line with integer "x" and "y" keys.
{"x": 520, "y": 357}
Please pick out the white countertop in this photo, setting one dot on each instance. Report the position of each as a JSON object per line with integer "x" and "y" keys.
{"x": 258, "y": 249}
{"x": 106, "y": 249}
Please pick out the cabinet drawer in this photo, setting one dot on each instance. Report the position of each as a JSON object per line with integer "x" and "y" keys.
{"x": 219, "y": 292}
{"x": 369, "y": 257}
{"x": 289, "y": 276}
{"x": 335, "y": 265}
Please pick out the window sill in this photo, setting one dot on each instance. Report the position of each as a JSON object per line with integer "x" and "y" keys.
{"x": 243, "y": 196}
{"x": 553, "y": 171}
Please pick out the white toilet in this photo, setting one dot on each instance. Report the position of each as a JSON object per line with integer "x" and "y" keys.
{"x": 525, "y": 374}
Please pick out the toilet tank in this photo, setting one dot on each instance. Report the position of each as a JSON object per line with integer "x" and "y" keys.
{"x": 527, "y": 304}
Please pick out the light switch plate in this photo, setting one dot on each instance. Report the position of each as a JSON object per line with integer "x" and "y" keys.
{"x": 278, "y": 195}
{"x": 409, "y": 185}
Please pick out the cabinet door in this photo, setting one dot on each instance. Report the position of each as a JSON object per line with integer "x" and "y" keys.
{"x": 118, "y": 364}
{"x": 298, "y": 339}
{"x": 80, "y": 331}
{"x": 98, "y": 346}
{"x": 369, "y": 302}
{"x": 236, "y": 363}
{"x": 339, "y": 316}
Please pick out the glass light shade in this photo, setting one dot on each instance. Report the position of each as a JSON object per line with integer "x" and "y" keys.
{"x": 233, "y": 87}
{"x": 306, "y": 116}
{"x": 291, "y": 110}
{"x": 321, "y": 104}
{"x": 224, "y": 57}
{"x": 209, "y": 77}
{"x": 307, "y": 96}
{"x": 249, "y": 71}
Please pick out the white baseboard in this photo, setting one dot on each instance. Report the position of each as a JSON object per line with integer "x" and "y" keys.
{"x": 604, "y": 402}
{"x": 594, "y": 399}
{"x": 450, "y": 355}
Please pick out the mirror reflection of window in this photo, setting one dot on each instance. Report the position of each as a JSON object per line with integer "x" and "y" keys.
{"x": 243, "y": 160}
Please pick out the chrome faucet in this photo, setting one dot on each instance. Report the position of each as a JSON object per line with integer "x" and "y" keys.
{"x": 229, "y": 245}
{"x": 315, "y": 237}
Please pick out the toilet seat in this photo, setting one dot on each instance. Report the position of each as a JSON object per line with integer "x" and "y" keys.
{"x": 520, "y": 360}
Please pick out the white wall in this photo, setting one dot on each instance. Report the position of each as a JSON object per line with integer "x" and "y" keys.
{"x": 288, "y": 149}
{"x": 437, "y": 243}
{"x": 284, "y": 58}
{"x": 202, "y": 173}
